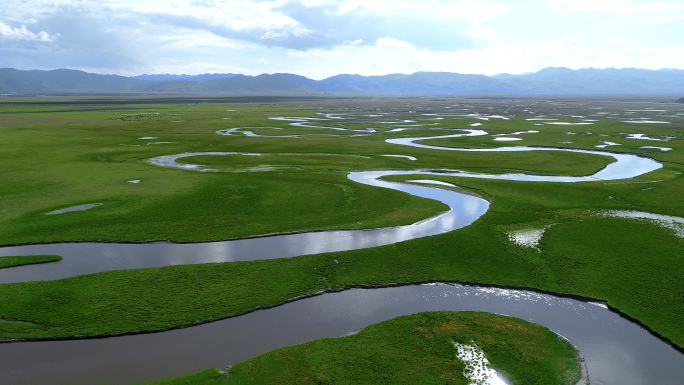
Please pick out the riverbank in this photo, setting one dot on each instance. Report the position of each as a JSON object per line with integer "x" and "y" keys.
{"x": 582, "y": 254}
{"x": 22, "y": 260}
{"x": 74, "y": 158}
{"x": 418, "y": 349}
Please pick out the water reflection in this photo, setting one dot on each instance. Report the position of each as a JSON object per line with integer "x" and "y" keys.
{"x": 86, "y": 258}
{"x": 75, "y": 208}
{"x": 91, "y": 257}
{"x": 616, "y": 350}
{"x": 625, "y": 166}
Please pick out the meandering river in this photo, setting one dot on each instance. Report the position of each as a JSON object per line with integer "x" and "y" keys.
{"x": 616, "y": 350}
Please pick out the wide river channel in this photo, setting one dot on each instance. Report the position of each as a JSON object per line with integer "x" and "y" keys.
{"x": 616, "y": 350}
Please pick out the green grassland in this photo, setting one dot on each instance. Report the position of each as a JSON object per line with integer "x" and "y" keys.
{"x": 414, "y": 349}
{"x": 582, "y": 137}
{"x": 581, "y": 254}
{"x": 19, "y": 260}
{"x": 57, "y": 160}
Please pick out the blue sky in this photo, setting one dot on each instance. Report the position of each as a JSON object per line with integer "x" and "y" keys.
{"x": 321, "y": 38}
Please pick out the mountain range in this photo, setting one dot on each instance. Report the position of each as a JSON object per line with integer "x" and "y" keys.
{"x": 551, "y": 80}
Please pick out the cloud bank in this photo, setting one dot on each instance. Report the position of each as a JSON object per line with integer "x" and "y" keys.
{"x": 320, "y": 38}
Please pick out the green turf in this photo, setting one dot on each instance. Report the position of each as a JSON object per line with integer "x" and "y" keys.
{"x": 414, "y": 349}
{"x": 582, "y": 137}
{"x": 19, "y": 260}
{"x": 57, "y": 160}
{"x": 117, "y": 302}
{"x": 54, "y": 160}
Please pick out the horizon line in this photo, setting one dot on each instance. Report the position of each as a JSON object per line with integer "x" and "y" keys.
{"x": 347, "y": 74}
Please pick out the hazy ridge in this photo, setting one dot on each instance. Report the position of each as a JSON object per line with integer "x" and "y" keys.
{"x": 551, "y": 80}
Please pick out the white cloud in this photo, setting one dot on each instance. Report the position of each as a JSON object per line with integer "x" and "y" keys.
{"x": 481, "y": 33}
{"x": 175, "y": 67}
{"x": 320, "y": 38}
{"x": 619, "y": 6}
{"x": 185, "y": 39}
{"x": 22, "y": 33}
{"x": 240, "y": 14}
{"x": 393, "y": 43}
{"x": 468, "y": 9}
{"x": 272, "y": 35}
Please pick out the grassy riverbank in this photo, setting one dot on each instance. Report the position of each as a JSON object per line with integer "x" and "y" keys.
{"x": 58, "y": 160}
{"x": 55, "y": 160}
{"x": 220, "y": 207}
{"x": 581, "y": 254}
{"x": 414, "y": 349}
{"x": 19, "y": 260}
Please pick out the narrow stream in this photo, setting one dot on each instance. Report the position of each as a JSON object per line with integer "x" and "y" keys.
{"x": 625, "y": 166}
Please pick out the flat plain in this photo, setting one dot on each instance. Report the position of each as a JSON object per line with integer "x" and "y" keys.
{"x": 287, "y": 172}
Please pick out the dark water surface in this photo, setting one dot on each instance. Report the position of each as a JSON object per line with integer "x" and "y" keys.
{"x": 616, "y": 350}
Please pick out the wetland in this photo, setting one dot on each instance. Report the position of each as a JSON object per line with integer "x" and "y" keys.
{"x": 288, "y": 199}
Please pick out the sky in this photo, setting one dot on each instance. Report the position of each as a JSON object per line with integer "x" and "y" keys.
{"x": 322, "y": 38}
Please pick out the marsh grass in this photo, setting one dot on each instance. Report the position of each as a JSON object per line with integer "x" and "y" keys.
{"x": 414, "y": 349}
{"x": 621, "y": 253}
{"x": 19, "y": 260}
{"x": 56, "y": 160}
{"x": 61, "y": 159}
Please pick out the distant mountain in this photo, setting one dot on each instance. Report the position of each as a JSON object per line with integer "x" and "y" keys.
{"x": 417, "y": 83}
{"x": 680, "y": 100}
{"x": 193, "y": 78}
{"x": 591, "y": 80}
{"x": 552, "y": 80}
{"x": 62, "y": 81}
{"x": 278, "y": 83}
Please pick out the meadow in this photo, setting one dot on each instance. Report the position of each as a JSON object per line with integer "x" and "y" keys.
{"x": 98, "y": 154}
